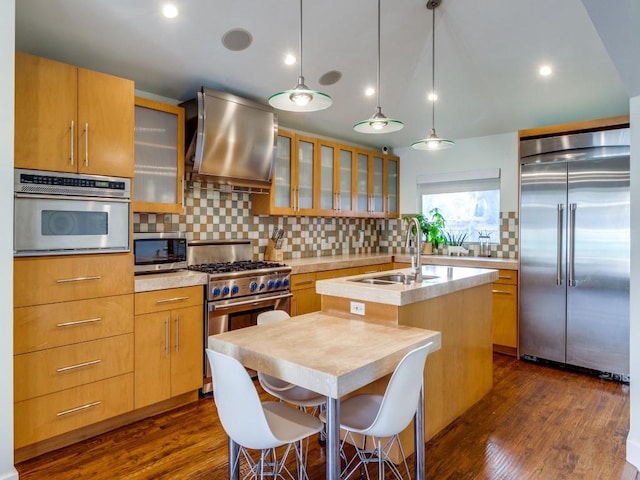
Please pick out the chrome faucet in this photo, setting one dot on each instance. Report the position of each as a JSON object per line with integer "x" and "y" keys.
{"x": 417, "y": 264}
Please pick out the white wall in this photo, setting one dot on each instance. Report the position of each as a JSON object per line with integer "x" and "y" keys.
{"x": 633, "y": 440}
{"x": 7, "y": 49}
{"x": 495, "y": 151}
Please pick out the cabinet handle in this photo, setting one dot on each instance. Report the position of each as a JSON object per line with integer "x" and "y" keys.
{"x": 501, "y": 292}
{"x": 78, "y": 409}
{"x": 305, "y": 282}
{"x": 78, "y": 365}
{"x": 177, "y": 333}
{"x": 86, "y": 144}
{"x": 78, "y": 279}
{"x": 504, "y": 277}
{"x": 174, "y": 299}
{"x": 78, "y": 322}
{"x": 166, "y": 336}
{"x": 71, "y": 142}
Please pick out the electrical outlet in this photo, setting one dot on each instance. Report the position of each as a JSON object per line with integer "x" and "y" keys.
{"x": 357, "y": 308}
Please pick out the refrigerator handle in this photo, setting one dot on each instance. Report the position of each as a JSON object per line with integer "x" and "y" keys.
{"x": 559, "y": 245}
{"x": 571, "y": 234}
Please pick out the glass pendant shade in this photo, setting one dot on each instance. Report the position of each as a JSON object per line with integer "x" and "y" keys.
{"x": 432, "y": 142}
{"x": 300, "y": 98}
{"x": 379, "y": 122}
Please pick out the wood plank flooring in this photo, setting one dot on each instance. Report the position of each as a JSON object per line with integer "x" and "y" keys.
{"x": 537, "y": 423}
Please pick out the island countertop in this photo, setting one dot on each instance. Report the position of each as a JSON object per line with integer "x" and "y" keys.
{"x": 447, "y": 280}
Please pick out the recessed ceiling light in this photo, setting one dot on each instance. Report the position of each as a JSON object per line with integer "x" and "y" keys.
{"x": 432, "y": 97}
{"x": 369, "y": 91}
{"x": 170, "y": 10}
{"x": 545, "y": 70}
{"x": 290, "y": 59}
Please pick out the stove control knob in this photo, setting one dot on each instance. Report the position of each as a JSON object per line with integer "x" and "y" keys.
{"x": 253, "y": 286}
{"x": 234, "y": 289}
{"x": 225, "y": 290}
{"x": 278, "y": 283}
{"x": 215, "y": 292}
{"x": 270, "y": 284}
{"x": 262, "y": 286}
{"x": 285, "y": 282}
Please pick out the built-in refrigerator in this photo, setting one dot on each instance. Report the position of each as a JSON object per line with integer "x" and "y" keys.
{"x": 574, "y": 251}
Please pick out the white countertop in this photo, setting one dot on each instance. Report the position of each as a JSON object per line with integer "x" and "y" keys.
{"x": 448, "y": 280}
{"x": 334, "y": 262}
{"x": 462, "y": 261}
{"x": 161, "y": 281}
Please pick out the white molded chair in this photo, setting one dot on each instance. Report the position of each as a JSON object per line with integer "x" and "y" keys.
{"x": 378, "y": 416}
{"x": 280, "y": 389}
{"x": 256, "y": 425}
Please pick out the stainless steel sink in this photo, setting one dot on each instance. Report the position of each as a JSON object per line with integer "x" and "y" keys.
{"x": 391, "y": 279}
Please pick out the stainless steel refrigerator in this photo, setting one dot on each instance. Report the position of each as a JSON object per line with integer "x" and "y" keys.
{"x": 574, "y": 250}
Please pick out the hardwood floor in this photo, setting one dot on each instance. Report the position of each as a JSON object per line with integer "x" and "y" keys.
{"x": 536, "y": 423}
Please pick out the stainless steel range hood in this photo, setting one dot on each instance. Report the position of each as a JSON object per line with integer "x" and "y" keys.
{"x": 230, "y": 139}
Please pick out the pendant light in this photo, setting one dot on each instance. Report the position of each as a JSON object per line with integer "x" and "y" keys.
{"x": 433, "y": 141}
{"x": 300, "y": 98}
{"x": 378, "y": 123}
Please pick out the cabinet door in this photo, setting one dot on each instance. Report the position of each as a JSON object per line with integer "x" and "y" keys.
{"x": 391, "y": 187}
{"x": 152, "y": 356}
{"x": 45, "y": 114}
{"x": 280, "y": 201}
{"x": 105, "y": 124}
{"x": 346, "y": 174}
{"x": 505, "y": 315}
{"x": 377, "y": 186}
{"x": 327, "y": 180}
{"x": 305, "y": 196}
{"x": 187, "y": 350}
{"x": 362, "y": 185}
{"x": 159, "y": 157}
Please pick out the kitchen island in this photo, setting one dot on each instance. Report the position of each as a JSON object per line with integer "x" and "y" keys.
{"x": 455, "y": 301}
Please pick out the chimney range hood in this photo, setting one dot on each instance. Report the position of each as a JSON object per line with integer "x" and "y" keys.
{"x": 231, "y": 140}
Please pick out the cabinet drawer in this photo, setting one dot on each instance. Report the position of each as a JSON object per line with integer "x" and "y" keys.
{"x": 57, "y": 324}
{"x": 507, "y": 277}
{"x": 162, "y": 300}
{"x": 50, "y": 415}
{"x": 55, "y": 369}
{"x": 39, "y": 281}
{"x": 302, "y": 281}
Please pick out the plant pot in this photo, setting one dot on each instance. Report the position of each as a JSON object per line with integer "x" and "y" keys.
{"x": 427, "y": 248}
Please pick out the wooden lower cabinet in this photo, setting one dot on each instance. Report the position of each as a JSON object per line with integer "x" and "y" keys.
{"x": 505, "y": 312}
{"x": 44, "y": 417}
{"x": 168, "y": 344}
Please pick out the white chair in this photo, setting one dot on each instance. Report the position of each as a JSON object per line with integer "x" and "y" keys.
{"x": 377, "y": 416}
{"x": 256, "y": 425}
{"x": 280, "y": 389}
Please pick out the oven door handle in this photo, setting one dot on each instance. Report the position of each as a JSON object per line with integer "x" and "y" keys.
{"x": 65, "y": 197}
{"x": 253, "y": 301}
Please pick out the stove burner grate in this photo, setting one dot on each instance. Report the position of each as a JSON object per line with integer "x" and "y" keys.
{"x": 238, "y": 266}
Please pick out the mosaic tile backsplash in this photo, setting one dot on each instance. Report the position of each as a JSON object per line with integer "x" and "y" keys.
{"x": 211, "y": 214}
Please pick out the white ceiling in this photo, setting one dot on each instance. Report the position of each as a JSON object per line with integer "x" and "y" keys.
{"x": 487, "y": 57}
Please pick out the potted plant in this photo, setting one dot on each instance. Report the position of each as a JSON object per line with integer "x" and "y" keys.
{"x": 432, "y": 229}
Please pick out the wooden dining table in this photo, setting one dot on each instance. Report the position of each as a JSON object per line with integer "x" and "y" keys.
{"x": 331, "y": 355}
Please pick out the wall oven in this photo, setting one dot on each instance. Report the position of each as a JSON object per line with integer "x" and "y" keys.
{"x": 64, "y": 213}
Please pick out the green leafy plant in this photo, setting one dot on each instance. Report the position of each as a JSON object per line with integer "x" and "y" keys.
{"x": 432, "y": 227}
{"x": 456, "y": 240}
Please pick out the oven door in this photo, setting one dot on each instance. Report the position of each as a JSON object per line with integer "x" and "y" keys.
{"x": 52, "y": 224}
{"x": 231, "y": 315}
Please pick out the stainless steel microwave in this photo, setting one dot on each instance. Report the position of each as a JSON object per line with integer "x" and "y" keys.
{"x": 159, "y": 252}
{"x": 65, "y": 213}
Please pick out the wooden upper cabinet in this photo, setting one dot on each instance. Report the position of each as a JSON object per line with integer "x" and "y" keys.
{"x": 159, "y": 157}
{"x": 70, "y": 119}
{"x": 318, "y": 177}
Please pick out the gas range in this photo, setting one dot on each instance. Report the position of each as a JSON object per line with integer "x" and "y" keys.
{"x": 231, "y": 272}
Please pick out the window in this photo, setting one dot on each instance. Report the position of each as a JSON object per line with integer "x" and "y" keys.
{"x": 468, "y": 201}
